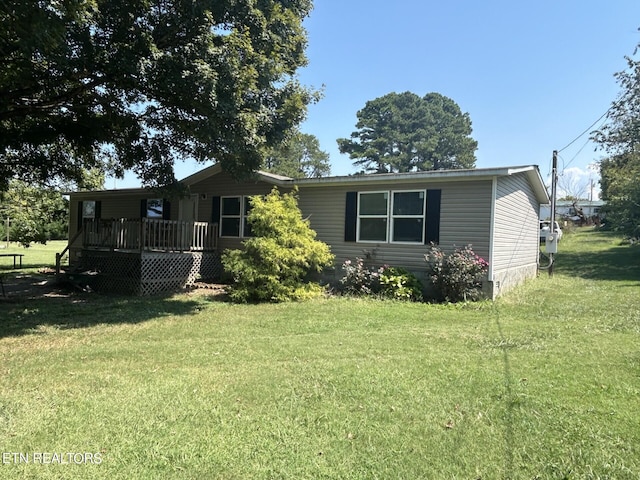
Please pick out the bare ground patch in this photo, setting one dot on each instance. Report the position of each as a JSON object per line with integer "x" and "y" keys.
{"x": 46, "y": 284}
{"x": 20, "y": 286}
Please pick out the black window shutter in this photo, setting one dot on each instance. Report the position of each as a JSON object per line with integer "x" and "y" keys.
{"x": 166, "y": 209}
{"x": 98, "y": 213}
{"x": 432, "y": 224}
{"x": 215, "y": 210}
{"x": 143, "y": 208}
{"x": 350, "y": 217}
{"x": 80, "y": 225}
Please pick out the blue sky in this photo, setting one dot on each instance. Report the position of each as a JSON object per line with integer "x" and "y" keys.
{"x": 532, "y": 76}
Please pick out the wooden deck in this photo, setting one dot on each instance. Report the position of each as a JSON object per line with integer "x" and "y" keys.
{"x": 149, "y": 235}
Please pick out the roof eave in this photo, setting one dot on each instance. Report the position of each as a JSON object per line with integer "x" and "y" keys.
{"x": 217, "y": 168}
{"x": 532, "y": 172}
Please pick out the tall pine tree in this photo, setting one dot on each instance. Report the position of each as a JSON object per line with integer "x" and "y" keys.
{"x": 403, "y": 132}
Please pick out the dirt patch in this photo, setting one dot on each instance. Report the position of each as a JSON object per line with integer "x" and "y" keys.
{"x": 32, "y": 285}
{"x": 45, "y": 284}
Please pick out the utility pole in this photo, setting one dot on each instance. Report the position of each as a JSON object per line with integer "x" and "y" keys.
{"x": 552, "y": 227}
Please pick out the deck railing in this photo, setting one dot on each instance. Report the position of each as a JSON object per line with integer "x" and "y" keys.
{"x": 150, "y": 234}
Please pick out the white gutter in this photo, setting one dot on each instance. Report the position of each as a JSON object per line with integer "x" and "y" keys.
{"x": 426, "y": 175}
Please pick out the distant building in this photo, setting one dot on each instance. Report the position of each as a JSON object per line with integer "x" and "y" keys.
{"x": 566, "y": 209}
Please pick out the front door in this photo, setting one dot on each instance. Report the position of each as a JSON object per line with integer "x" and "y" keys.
{"x": 189, "y": 209}
{"x": 188, "y": 213}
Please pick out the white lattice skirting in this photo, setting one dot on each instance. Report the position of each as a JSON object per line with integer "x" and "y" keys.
{"x": 149, "y": 273}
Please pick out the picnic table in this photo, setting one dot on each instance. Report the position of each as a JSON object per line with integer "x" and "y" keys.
{"x": 15, "y": 256}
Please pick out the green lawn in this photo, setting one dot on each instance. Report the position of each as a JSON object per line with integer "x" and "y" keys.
{"x": 35, "y": 257}
{"x": 541, "y": 384}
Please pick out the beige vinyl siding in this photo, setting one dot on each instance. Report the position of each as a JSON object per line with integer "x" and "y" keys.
{"x": 465, "y": 218}
{"x": 113, "y": 205}
{"x": 124, "y": 207}
{"x": 73, "y": 220}
{"x": 516, "y": 229}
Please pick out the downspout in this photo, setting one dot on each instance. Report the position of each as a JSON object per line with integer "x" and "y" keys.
{"x": 492, "y": 224}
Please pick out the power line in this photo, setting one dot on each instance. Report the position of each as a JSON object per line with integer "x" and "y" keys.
{"x": 566, "y": 165}
{"x": 587, "y": 129}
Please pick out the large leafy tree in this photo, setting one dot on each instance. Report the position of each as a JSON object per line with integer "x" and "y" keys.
{"x": 620, "y": 138}
{"x": 619, "y": 176}
{"x": 137, "y": 84}
{"x": 298, "y": 157}
{"x": 403, "y": 132}
{"x": 621, "y": 133}
{"x": 38, "y": 214}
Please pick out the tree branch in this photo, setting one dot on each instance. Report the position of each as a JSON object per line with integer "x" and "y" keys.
{"x": 31, "y": 106}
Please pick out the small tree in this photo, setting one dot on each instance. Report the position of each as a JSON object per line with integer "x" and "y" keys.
{"x": 37, "y": 214}
{"x": 274, "y": 263}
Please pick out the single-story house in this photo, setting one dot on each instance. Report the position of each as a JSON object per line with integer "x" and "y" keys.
{"x": 145, "y": 244}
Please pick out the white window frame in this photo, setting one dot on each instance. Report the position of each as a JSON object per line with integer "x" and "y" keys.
{"x": 390, "y": 217}
{"x": 223, "y": 216}
{"x": 385, "y": 216}
{"x": 394, "y": 217}
{"x": 241, "y": 216}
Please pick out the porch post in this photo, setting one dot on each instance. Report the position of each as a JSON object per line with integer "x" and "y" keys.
{"x": 143, "y": 228}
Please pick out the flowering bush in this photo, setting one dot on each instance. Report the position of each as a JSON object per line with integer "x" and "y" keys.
{"x": 358, "y": 279}
{"x": 457, "y": 276}
{"x": 386, "y": 281}
{"x": 400, "y": 284}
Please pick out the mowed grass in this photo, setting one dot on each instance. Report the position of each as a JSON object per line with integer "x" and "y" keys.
{"x": 543, "y": 383}
{"x": 35, "y": 257}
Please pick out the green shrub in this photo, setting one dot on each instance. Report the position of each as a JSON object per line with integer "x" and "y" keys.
{"x": 390, "y": 282}
{"x": 400, "y": 284}
{"x": 457, "y": 276}
{"x": 274, "y": 263}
